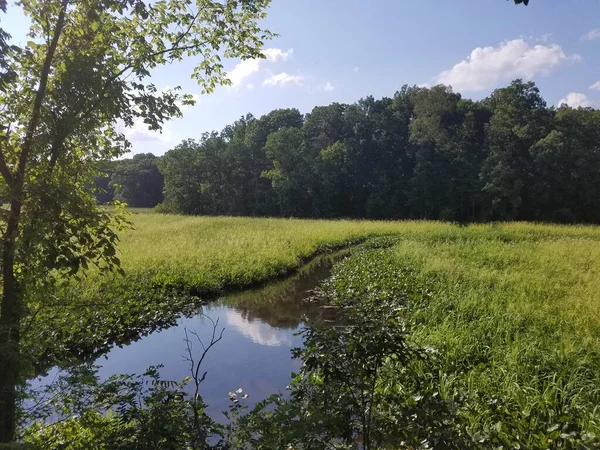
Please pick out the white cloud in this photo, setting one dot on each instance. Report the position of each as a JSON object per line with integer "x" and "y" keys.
{"x": 591, "y": 35}
{"x": 273, "y": 54}
{"x": 575, "y": 100}
{"x": 283, "y": 79}
{"x": 260, "y": 333}
{"x": 329, "y": 87}
{"x": 250, "y": 86}
{"x": 544, "y": 37}
{"x": 139, "y": 132}
{"x": 244, "y": 69}
{"x": 355, "y": 69}
{"x": 596, "y": 86}
{"x": 488, "y": 66}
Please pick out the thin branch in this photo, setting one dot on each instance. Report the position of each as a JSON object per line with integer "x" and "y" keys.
{"x": 40, "y": 94}
{"x": 4, "y": 170}
{"x": 195, "y": 366}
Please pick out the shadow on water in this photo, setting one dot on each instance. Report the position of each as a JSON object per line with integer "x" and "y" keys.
{"x": 284, "y": 304}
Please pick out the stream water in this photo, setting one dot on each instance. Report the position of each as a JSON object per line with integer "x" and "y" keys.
{"x": 260, "y": 329}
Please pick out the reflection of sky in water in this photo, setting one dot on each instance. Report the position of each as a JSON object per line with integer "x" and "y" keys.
{"x": 253, "y": 354}
{"x": 258, "y": 331}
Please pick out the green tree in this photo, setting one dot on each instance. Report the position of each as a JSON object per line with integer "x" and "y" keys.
{"x": 291, "y": 173}
{"x": 181, "y": 177}
{"x": 83, "y": 71}
{"x": 265, "y": 200}
{"x": 138, "y": 182}
{"x": 566, "y": 168}
{"x": 103, "y": 192}
{"x": 425, "y": 153}
{"x": 431, "y": 134}
{"x": 332, "y": 172}
{"x": 447, "y": 135}
{"x": 519, "y": 119}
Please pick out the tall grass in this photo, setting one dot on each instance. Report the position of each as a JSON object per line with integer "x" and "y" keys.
{"x": 514, "y": 308}
{"x": 211, "y": 253}
{"x": 214, "y": 252}
{"x": 514, "y": 312}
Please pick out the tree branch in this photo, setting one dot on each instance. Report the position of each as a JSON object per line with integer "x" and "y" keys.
{"x": 195, "y": 366}
{"x": 5, "y": 171}
{"x": 40, "y": 94}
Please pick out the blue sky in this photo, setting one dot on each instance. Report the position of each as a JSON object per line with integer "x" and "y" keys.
{"x": 342, "y": 50}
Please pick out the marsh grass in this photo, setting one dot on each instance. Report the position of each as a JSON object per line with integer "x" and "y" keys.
{"x": 512, "y": 308}
{"x": 513, "y": 311}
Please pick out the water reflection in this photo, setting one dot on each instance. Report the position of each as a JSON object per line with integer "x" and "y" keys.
{"x": 259, "y": 332}
{"x": 283, "y": 304}
{"x": 261, "y": 328}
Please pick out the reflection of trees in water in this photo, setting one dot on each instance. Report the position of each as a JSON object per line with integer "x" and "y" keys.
{"x": 283, "y": 304}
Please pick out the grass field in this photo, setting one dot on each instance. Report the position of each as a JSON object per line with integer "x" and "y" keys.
{"x": 513, "y": 309}
{"x": 210, "y": 253}
{"x": 514, "y": 316}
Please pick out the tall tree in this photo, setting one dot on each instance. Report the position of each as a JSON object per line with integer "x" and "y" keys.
{"x": 182, "y": 178}
{"x": 566, "y": 168}
{"x": 425, "y": 153}
{"x": 265, "y": 201}
{"x": 519, "y": 119}
{"x": 291, "y": 174}
{"x": 447, "y": 134}
{"x": 83, "y": 71}
{"x": 103, "y": 192}
{"x": 138, "y": 182}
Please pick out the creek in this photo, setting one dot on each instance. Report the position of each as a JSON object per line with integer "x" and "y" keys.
{"x": 260, "y": 325}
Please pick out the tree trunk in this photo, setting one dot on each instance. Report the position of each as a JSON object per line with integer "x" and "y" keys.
{"x": 11, "y": 308}
{"x": 10, "y": 321}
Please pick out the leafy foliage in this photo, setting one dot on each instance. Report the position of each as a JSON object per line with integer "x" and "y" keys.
{"x": 66, "y": 96}
{"x": 425, "y": 153}
{"x": 473, "y": 337}
{"x": 511, "y": 370}
{"x": 125, "y": 411}
{"x": 138, "y": 182}
{"x": 362, "y": 382}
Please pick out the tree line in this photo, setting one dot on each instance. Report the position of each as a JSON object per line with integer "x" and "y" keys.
{"x": 425, "y": 153}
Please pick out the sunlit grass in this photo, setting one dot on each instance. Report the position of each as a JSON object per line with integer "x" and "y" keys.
{"x": 513, "y": 308}
{"x": 513, "y": 313}
{"x": 215, "y": 251}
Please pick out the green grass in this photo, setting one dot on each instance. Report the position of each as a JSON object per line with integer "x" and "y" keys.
{"x": 513, "y": 308}
{"x": 213, "y": 253}
{"x": 547, "y": 274}
{"x": 513, "y": 311}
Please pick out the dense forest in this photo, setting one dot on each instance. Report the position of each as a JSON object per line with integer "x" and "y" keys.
{"x": 425, "y": 153}
{"x": 136, "y": 181}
